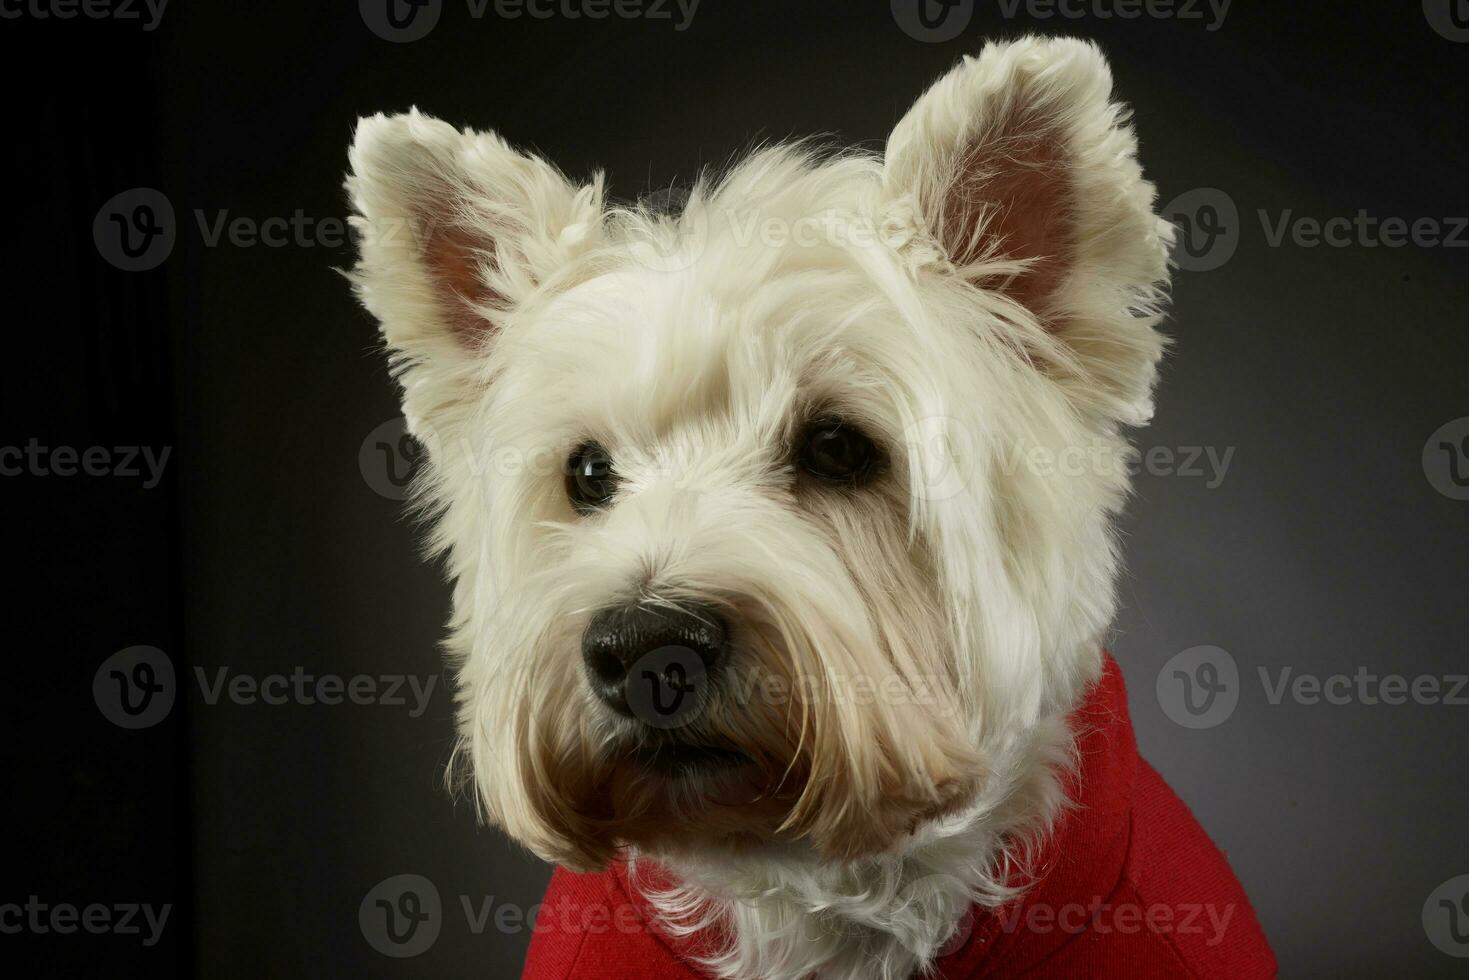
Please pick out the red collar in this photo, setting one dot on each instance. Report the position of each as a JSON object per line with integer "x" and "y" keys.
{"x": 1082, "y": 859}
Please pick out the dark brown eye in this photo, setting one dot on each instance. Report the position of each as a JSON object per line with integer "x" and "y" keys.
{"x": 837, "y": 452}
{"x": 590, "y": 481}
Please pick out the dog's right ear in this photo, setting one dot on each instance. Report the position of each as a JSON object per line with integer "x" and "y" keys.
{"x": 455, "y": 230}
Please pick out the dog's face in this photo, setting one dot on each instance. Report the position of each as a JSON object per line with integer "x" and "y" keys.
{"x": 746, "y": 505}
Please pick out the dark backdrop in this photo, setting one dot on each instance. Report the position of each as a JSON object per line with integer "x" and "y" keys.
{"x": 1333, "y": 544}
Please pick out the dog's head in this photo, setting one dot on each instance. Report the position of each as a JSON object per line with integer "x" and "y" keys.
{"x": 759, "y": 508}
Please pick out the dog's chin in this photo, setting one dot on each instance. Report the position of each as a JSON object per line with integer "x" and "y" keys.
{"x": 716, "y": 785}
{"x": 683, "y": 798}
{"x": 686, "y": 779}
{"x": 686, "y": 762}
{"x": 659, "y": 794}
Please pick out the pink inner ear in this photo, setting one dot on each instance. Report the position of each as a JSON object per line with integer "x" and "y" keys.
{"x": 452, "y": 256}
{"x": 1019, "y": 187}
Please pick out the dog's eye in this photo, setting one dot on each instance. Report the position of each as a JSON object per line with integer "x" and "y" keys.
{"x": 590, "y": 482}
{"x": 837, "y": 452}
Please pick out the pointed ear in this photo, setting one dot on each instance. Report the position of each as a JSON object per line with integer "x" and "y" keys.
{"x": 455, "y": 230}
{"x": 1024, "y": 172}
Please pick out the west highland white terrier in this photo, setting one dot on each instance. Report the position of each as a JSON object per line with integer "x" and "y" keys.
{"x": 778, "y": 611}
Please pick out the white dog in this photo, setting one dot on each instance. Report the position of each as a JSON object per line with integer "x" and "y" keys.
{"x": 767, "y": 615}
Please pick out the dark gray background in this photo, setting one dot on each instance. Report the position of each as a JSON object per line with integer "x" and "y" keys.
{"x": 1325, "y": 548}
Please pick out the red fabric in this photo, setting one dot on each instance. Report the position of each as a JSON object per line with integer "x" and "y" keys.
{"x": 1130, "y": 887}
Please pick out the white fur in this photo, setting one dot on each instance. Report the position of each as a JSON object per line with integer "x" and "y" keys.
{"x": 693, "y": 344}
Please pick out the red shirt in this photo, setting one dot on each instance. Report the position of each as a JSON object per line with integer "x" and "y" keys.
{"x": 1131, "y": 888}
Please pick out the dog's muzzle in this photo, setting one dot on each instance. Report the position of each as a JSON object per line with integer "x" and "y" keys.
{"x": 654, "y": 663}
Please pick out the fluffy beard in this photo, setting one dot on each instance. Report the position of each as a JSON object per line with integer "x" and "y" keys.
{"x": 836, "y": 723}
{"x": 888, "y": 915}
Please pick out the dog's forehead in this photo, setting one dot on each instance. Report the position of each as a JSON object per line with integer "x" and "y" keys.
{"x": 656, "y": 345}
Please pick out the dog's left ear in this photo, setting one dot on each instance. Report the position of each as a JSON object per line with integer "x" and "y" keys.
{"x": 1024, "y": 172}
{"x": 455, "y": 231}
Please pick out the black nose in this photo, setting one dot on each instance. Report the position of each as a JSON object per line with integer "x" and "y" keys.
{"x": 653, "y": 662}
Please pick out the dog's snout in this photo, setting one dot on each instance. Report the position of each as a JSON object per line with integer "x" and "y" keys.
{"x": 675, "y": 646}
